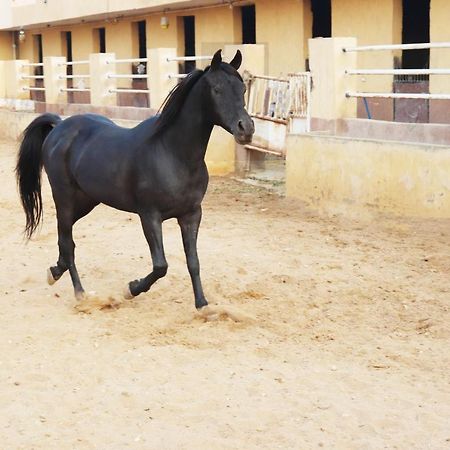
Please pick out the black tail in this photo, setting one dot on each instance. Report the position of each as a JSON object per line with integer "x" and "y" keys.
{"x": 29, "y": 168}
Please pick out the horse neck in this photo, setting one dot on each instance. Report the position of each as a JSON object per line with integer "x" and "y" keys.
{"x": 189, "y": 135}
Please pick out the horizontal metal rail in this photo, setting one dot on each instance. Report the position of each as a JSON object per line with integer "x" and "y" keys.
{"x": 32, "y": 77}
{"x": 130, "y": 91}
{"x": 397, "y": 95}
{"x": 129, "y": 60}
{"x": 33, "y": 65}
{"x": 128, "y": 76}
{"x": 189, "y": 58}
{"x": 269, "y": 118}
{"x": 398, "y": 72}
{"x": 263, "y": 150}
{"x": 371, "y": 48}
{"x": 71, "y": 77}
{"x": 33, "y": 88}
{"x": 265, "y": 77}
{"x": 75, "y": 90}
{"x": 177, "y": 75}
{"x": 73, "y": 63}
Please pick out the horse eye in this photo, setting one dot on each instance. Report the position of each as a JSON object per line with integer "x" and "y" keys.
{"x": 216, "y": 90}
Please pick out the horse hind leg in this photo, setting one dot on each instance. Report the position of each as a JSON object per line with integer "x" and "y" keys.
{"x": 69, "y": 210}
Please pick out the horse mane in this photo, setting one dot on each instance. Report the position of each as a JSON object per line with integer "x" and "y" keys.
{"x": 177, "y": 96}
{"x": 175, "y": 100}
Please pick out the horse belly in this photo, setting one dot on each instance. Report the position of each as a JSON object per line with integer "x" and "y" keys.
{"x": 107, "y": 183}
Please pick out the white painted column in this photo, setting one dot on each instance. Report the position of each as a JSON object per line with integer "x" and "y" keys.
{"x": 328, "y": 63}
{"x": 15, "y": 83}
{"x": 101, "y": 66}
{"x": 54, "y": 70}
{"x": 159, "y": 68}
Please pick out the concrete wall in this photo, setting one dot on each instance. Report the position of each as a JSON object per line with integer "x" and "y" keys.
{"x": 280, "y": 26}
{"x": 350, "y": 174}
{"x": 6, "y": 51}
{"x": 158, "y": 37}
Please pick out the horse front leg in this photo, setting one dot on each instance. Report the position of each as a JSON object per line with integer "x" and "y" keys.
{"x": 189, "y": 225}
{"x": 152, "y": 226}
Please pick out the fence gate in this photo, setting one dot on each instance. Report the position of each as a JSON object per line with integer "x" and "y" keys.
{"x": 277, "y": 106}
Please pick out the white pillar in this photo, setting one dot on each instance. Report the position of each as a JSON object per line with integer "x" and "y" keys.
{"x": 101, "y": 66}
{"x": 328, "y": 63}
{"x": 15, "y": 86}
{"x": 159, "y": 68}
{"x": 54, "y": 71}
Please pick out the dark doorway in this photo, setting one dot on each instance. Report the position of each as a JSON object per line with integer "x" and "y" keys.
{"x": 38, "y": 53}
{"x": 248, "y": 24}
{"x": 101, "y": 40}
{"x": 416, "y": 29}
{"x": 36, "y": 95}
{"x": 67, "y": 52}
{"x": 321, "y": 12}
{"x": 142, "y": 38}
{"x": 189, "y": 41}
{"x": 67, "y": 43}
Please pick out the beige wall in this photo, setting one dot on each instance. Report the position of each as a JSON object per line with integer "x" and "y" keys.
{"x": 216, "y": 27}
{"x": 377, "y": 22}
{"x": 52, "y": 42}
{"x": 6, "y": 51}
{"x": 280, "y": 25}
{"x": 25, "y": 48}
{"x": 346, "y": 174}
{"x": 158, "y": 37}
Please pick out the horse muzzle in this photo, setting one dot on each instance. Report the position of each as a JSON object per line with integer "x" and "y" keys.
{"x": 244, "y": 131}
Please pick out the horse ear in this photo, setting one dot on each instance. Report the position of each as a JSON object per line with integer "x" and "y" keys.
{"x": 217, "y": 60}
{"x": 237, "y": 60}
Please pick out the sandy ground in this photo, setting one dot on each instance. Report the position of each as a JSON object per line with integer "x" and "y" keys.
{"x": 343, "y": 340}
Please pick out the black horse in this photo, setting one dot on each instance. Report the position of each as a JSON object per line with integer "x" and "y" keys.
{"x": 156, "y": 170}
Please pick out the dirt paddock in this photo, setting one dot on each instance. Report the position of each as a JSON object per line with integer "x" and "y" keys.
{"x": 342, "y": 340}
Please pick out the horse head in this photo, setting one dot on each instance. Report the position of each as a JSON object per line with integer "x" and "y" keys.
{"x": 226, "y": 103}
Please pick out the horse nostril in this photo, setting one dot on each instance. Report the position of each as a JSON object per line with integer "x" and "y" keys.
{"x": 241, "y": 127}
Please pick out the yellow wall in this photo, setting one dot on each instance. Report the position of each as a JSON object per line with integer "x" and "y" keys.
{"x": 279, "y": 25}
{"x": 216, "y": 27}
{"x": 82, "y": 47}
{"x": 5, "y": 45}
{"x": 25, "y": 48}
{"x": 377, "y": 22}
{"x": 158, "y": 37}
{"x": 52, "y": 42}
{"x": 307, "y": 26}
{"x": 347, "y": 174}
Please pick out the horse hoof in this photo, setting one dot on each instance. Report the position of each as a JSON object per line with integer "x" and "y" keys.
{"x": 127, "y": 293}
{"x": 50, "y": 280}
{"x": 80, "y": 296}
